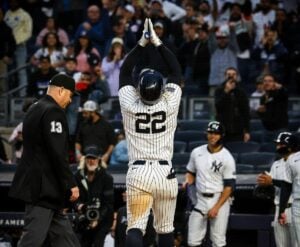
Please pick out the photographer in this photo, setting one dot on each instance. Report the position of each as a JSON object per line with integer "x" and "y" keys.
{"x": 95, "y": 204}
{"x": 232, "y": 108}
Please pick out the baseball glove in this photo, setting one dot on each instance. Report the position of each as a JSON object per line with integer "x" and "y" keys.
{"x": 264, "y": 192}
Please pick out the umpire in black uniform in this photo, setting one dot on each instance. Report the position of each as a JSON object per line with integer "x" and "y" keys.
{"x": 43, "y": 179}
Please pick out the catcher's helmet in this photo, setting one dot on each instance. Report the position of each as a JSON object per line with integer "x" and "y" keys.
{"x": 287, "y": 139}
{"x": 216, "y": 127}
{"x": 151, "y": 86}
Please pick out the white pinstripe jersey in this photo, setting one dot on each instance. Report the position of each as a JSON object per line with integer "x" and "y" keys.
{"x": 150, "y": 129}
{"x": 278, "y": 171}
{"x": 293, "y": 173}
{"x": 211, "y": 169}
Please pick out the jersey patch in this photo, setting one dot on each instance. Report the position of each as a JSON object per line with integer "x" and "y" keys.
{"x": 56, "y": 127}
{"x": 170, "y": 89}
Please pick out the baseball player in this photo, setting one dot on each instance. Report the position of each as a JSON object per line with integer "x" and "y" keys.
{"x": 284, "y": 234}
{"x": 291, "y": 184}
{"x": 149, "y": 113}
{"x": 212, "y": 168}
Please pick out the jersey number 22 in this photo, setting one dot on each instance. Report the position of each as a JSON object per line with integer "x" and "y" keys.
{"x": 148, "y": 123}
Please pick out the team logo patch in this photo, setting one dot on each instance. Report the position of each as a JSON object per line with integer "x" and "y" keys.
{"x": 216, "y": 166}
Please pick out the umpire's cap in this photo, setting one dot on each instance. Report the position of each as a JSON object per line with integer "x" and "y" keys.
{"x": 216, "y": 127}
{"x": 150, "y": 86}
{"x": 63, "y": 80}
{"x": 288, "y": 139}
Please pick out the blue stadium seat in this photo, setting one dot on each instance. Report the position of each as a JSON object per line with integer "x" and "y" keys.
{"x": 245, "y": 168}
{"x": 257, "y": 158}
{"x": 256, "y": 124}
{"x": 235, "y": 156}
{"x": 257, "y": 136}
{"x": 294, "y": 124}
{"x": 189, "y": 135}
{"x": 199, "y": 125}
{"x": 118, "y": 168}
{"x": 242, "y": 147}
{"x": 195, "y": 144}
{"x": 179, "y": 161}
{"x": 117, "y": 124}
{"x": 268, "y": 147}
{"x": 179, "y": 147}
{"x": 4, "y": 167}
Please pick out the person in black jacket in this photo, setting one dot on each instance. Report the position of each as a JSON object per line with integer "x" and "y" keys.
{"x": 96, "y": 201}
{"x": 43, "y": 179}
{"x": 273, "y": 109}
{"x": 232, "y": 108}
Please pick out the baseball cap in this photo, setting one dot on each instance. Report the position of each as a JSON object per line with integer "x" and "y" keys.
{"x": 117, "y": 40}
{"x": 158, "y": 24}
{"x": 223, "y": 31}
{"x": 90, "y": 105}
{"x": 83, "y": 34}
{"x": 63, "y": 80}
{"x": 129, "y": 8}
{"x": 92, "y": 151}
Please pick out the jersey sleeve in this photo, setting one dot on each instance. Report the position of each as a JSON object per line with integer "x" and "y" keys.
{"x": 287, "y": 176}
{"x": 127, "y": 96}
{"x": 229, "y": 169}
{"x": 173, "y": 95}
{"x": 55, "y": 132}
{"x": 191, "y": 166}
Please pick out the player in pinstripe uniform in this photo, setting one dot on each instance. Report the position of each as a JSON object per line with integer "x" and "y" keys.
{"x": 149, "y": 112}
{"x": 291, "y": 186}
{"x": 212, "y": 168}
{"x": 284, "y": 234}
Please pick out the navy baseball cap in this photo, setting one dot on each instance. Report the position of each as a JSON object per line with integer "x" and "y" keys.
{"x": 63, "y": 80}
{"x": 92, "y": 151}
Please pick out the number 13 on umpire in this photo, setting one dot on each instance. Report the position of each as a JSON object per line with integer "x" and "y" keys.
{"x": 149, "y": 109}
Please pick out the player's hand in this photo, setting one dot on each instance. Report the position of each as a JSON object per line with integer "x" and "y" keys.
{"x": 213, "y": 212}
{"x": 282, "y": 219}
{"x": 74, "y": 194}
{"x": 144, "y": 40}
{"x": 153, "y": 36}
{"x": 264, "y": 179}
{"x": 93, "y": 224}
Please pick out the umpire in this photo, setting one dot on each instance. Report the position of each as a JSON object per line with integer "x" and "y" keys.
{"x": 43, "y": 179}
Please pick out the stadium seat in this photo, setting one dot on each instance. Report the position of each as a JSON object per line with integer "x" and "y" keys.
{"x": 189, "y": 135}
{"x": 118, "y": 168}
{"x": 268, "y": 147}
{"x": 256, "y": 124}
{"x": 4, "y": 167}
{"x": 245, "y": 169}
{"x": 257, "y": 158}
{"x": 195, "y": 144}
{"x": 199, "y": 125}
{"x": 294, "y": 124}
{"x": 242, "y": 147}
{"x": 117, "y": 124}
{"x": 235, "y": 156}
{"x": 179, "y": 161}
{"x": 179, "y": 147}
{"x": 271, "y": 135}
{"x": 257, "y": 136}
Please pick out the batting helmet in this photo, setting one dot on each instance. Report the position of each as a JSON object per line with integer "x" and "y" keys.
{"x": 288, "y": 140}
{"x": 216, "y": 127}
{"x": 151, "y": 86}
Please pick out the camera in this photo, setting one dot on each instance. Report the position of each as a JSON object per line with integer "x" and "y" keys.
{"x": 92, "y": 212}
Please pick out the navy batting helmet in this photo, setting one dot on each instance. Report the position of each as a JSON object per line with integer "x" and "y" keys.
{"x": 216, "y": 127}
{"x": 151, "y": 86}
{"x": 287, "y": 139}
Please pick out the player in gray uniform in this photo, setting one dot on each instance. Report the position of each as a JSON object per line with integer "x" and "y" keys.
{"x": 284, "y": 234}
{"x": 291, "y": 185}
{"x": 149, "y": 111}
{"x": 212, "y": 168}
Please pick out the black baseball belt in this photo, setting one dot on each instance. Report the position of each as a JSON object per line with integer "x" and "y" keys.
{"x": 143, "y": 162}
{"x": 208, "y": 194}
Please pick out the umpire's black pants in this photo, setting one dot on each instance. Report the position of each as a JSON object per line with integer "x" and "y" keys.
{"x": 42, "y": 223}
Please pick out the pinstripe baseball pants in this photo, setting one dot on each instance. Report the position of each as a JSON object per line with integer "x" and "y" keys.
{"x": 148, "y": 187}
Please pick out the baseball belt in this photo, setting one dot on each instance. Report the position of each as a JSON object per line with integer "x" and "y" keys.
{"x": 143, "y": 162}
